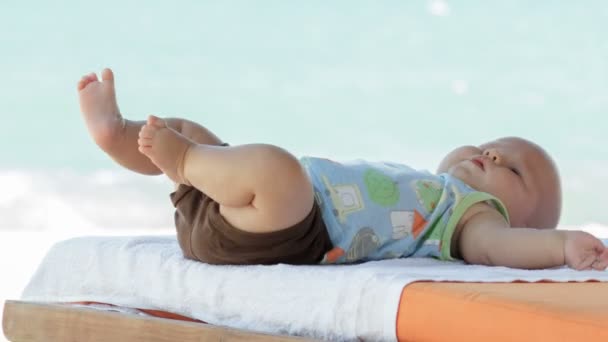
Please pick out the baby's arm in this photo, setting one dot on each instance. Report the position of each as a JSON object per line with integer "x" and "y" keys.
{"x": 484, "y": 237}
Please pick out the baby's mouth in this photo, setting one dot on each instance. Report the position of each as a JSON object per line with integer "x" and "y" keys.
{"x": 478, "y": 162}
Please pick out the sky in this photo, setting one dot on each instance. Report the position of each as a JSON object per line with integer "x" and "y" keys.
{"x": 405, "y": 81}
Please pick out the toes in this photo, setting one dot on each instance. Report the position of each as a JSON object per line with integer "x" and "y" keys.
{"x": 147, "y": 132}
{"x": 107, "y": 75}
{"x": 151, "y": 119}
{"x": 81, "y": 84}
{"x": 144, "y": 143}
{"x": 156, "y": 121}
{"x": 92, "y": 77}
{"x": 86, "y": 79}
{"x": 144, "y": 149}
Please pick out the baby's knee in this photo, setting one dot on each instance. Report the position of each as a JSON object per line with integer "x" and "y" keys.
{"x": 281, "y": 163}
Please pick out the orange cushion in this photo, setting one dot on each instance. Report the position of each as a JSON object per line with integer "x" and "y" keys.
{"x": 432, "y": 311}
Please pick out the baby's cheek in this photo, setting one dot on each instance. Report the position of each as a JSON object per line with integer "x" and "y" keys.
{"x": 457, "y": 156}
{"x": 487, "y": 185}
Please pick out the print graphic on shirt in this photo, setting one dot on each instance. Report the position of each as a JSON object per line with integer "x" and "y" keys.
{"x": 382, "y": 189}
{"x": 333, "y": 255}
{"x": 437, "y": 231}
{"x": 428, "y": 193}
{"x": 407, "y": 223}
{"x": 391, "y": 255}
{"x": 346, "y": 198}
{"x": 318, "y": 196}
{"x": 455, "y": 196}
{"x": 363, "y": 244}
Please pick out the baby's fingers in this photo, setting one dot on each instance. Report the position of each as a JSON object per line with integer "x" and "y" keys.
{"x": 601, "y": 262}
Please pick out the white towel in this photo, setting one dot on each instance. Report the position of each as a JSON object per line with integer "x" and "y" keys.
{"x": 326, "y": 302}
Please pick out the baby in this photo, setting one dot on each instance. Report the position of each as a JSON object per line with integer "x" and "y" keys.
{"x": 493, "y": 204}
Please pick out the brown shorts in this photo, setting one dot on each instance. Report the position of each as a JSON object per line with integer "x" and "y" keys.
{"x": 205, "y": 235}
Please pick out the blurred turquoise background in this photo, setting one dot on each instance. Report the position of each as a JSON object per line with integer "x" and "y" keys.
{"x": 397, "y": 80}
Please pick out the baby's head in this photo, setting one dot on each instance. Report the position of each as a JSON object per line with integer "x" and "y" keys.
{"x": 518, "y": 172}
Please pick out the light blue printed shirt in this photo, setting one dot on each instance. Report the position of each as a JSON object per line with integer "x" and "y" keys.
{"x": 381, "y": 210}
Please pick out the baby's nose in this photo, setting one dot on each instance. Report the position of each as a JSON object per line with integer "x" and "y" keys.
{"x": 493, "y": 155}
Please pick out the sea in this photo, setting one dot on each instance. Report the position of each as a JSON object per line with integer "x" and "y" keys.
{"x": 404, "y": 81}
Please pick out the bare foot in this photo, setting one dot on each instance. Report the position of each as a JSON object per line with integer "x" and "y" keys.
{"x": 165, "y": 147}
{"x": 99, "y": 108}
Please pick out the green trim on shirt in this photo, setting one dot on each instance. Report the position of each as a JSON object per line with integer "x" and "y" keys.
{"x": 459, "y": 210}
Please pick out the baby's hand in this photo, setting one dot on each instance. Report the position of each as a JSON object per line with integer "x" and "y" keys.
{"x": 583, "y": 251}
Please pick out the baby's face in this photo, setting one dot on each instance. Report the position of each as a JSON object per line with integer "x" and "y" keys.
{"x": 517, "y": 172}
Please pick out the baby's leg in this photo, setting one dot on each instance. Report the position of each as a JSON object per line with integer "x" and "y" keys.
{"x": 118, "y": 136}
{"x": 260, "y": 188}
